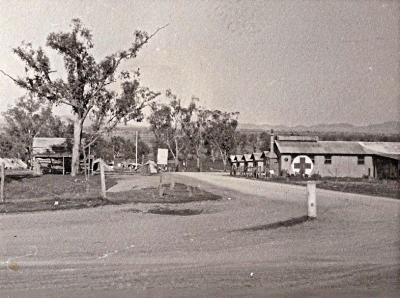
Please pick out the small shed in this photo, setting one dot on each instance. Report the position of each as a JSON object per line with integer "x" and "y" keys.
{"x": 54, "y": 155}
{"x": 232, "y": 159}
{"x": 239, "y": 162}
{"x": 257, "y": 160}
{"x": 248, "y": 163}
{"x": 270, "y": 160}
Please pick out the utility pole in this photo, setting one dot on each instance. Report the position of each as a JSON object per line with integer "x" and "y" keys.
{"x": 136, "y": 152}
{"x": 2, "y": 174}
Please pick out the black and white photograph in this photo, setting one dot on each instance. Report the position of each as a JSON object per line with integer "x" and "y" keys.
{"x": 199, "y": 148}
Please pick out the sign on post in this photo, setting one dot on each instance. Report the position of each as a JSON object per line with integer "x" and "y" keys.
{"x": 162, "y": 156}
{"x": 303, "y": 165}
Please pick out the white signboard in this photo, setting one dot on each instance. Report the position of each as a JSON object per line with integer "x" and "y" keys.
{"x": 302, "y": 164}
{"x": 162, "y": 156}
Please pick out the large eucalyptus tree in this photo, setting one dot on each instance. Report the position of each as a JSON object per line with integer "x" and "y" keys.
{"x": 88, "y": 87}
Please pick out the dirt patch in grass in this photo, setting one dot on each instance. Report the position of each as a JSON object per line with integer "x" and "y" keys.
{"x": 180, "y": 193}
{"x": 52, "y": 192}
{"x": 280, "y": 224}
{"x": 179, "y": 212}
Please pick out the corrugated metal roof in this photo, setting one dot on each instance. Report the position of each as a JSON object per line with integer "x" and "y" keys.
{"x": 298, "y": 138}
{"x": 392, "y": 156}
{"x": 321, "y": 147}
{"x": 383, "y": 147}
{"x": 46, "y": 145}
{"x": 386, "y": 149}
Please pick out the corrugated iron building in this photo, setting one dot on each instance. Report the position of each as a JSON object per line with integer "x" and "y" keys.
{"x": 52, "y": 154}
{"x": 339, "y": 158}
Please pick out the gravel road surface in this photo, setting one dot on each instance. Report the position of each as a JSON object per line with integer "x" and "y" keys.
{"x": 231, "y": 249}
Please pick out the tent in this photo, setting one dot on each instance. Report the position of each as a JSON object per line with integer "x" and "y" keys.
{"x": 13, "y": 163}
{"x": 150, "y": 167}
{"x": 107, "y": 168}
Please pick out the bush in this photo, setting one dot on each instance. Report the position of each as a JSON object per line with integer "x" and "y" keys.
{"x": 316, "y": 176}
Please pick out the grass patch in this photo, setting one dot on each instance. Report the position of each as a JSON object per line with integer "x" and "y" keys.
{"x": 52, "y": 192}
{"x": 390, "y": 188}
{"x": 380, "y": 188}
{"x": 133, "y": 210}
{"x": 181, "y": 193}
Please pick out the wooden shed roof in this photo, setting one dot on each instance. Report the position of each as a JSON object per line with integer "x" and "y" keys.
{"x": 256, "y": 156}
{"x": 246, "y": 157}
{"x": 268, "y": 154}
{"x": 56, "y": 146}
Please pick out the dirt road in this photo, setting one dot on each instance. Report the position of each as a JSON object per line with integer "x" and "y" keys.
{"x": 229, "y": 250}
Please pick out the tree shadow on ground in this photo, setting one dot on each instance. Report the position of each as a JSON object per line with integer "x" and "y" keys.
{"x": 276, "y": 225}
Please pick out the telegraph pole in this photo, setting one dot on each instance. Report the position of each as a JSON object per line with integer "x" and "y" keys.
{"x": 136, "y": 152}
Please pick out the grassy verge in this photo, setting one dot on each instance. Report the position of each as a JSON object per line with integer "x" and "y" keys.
{"x": 52, "y": 192}
{"x": 57, "y": 192}
{"x": 380, "y": 188}
{"x": 180, "y": 193}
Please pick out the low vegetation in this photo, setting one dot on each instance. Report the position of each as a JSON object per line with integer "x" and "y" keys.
{"x": 57, "y": 192}
{"x": 52, "y": 192}
{"x": 179, "y": 193}
{"x": 380, "y": 188}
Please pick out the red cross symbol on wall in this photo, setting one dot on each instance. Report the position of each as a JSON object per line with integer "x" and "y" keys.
{"x": 302, "y": 165}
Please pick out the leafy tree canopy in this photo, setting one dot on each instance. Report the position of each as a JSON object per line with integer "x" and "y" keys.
{"x": 86, "y": 87}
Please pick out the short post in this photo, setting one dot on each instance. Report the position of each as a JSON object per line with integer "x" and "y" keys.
{"x": 160, "y": 187}
{"x": 63, "y": 165}
{"x": 311, "y": 199}
{"x": 103, "y": 180}
{"x": 3, "y": 199}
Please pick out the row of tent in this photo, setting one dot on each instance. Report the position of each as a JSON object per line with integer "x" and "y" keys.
{"x": 252, "y": 163}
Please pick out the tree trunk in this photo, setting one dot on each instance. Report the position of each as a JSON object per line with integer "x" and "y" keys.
{"x": 198, "y": 164}
{"x": 224, "y": 158}
{"x": 199, "y": 167}
{"x": 76, "y": 146}
{"x": 176, "y": 156}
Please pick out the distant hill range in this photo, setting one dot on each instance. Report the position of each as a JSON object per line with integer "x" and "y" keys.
{"x": 387, "y": 128}
{"x": 391, "y": 127}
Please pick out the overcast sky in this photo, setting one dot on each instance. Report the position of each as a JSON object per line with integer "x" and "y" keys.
{"x": 277, "y": 62}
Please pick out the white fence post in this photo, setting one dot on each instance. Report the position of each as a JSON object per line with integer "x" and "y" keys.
{"x": 311, "y": 199}
{"x": 103, "y": 180}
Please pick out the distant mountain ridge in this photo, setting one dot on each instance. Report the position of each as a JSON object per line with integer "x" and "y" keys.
{"x": 390, "y": 127}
